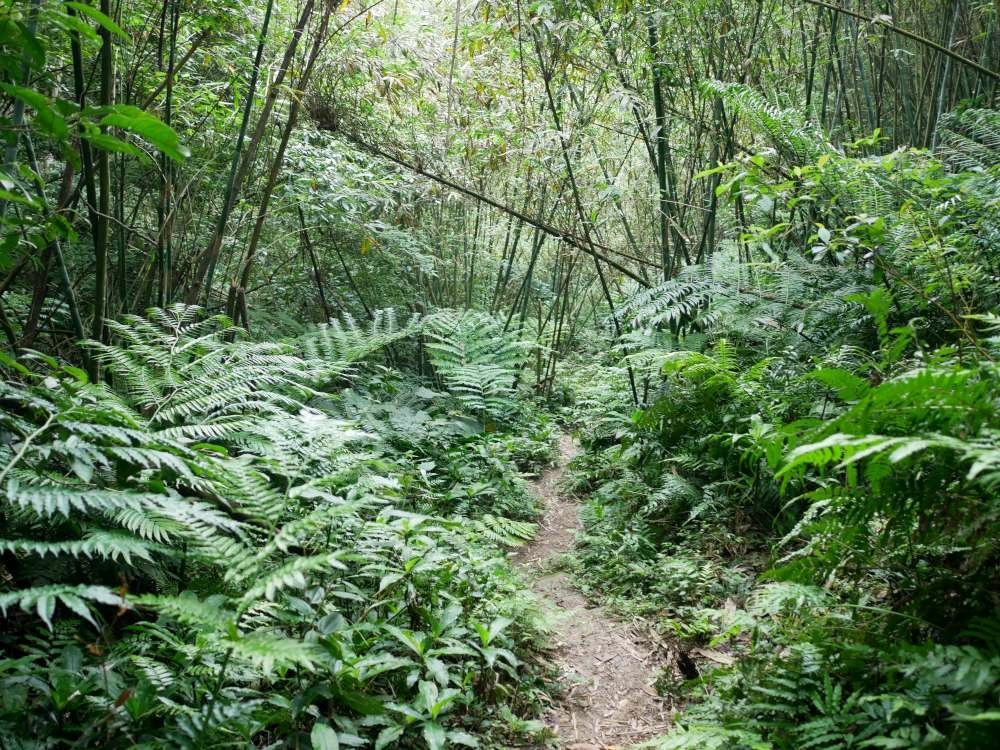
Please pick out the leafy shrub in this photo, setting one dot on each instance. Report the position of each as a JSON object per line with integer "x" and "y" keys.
{"x": 828, "y": 426}
{"x": 207, "y": 554}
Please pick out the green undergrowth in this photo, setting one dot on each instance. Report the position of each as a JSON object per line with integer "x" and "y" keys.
{"x": 232, "y": 543}
{"x": 806, "y": 499}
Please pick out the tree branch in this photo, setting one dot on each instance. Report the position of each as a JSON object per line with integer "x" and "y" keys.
{"x": 555, "y": 232}
{"x": 881, "y": 21}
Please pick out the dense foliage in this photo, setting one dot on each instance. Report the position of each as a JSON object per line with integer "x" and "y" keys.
{"x": 812, "y": 487}
{"x": 295, "y": 294}
{"x": 212, "y": 552}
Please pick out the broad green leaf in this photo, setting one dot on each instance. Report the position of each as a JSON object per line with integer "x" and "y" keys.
{"x": 437, "y": 669}
{"x": 151, "y": 129}
{"x": 408, "y": 711}
{"x": 9, "y": 361}
{"x": 75, "y": 372}
{"x": 29, "y": 96}
{"x": 462, "y": 738}
{"x": 411, "y": 640}
{"x": 97, "y": 17}
{"x": 435, "y": 735}
{"x": 981, "y": 716}
{"x": 48, "y": 120}
{"x": 110, "y": 143}
{"x": 497, "y": 627}
{"x": 849, "y": 386}
{"x": 323, "y": 737}
{"x": 7, "y": 195}
{"x": 447, "y": 697}
{"x": 388, "y": 580}
{"x": 31, "y": 47}
{"x": 429, "y": 692}
{"x": 388, "y": 736}
{"x": 366, "y": 705}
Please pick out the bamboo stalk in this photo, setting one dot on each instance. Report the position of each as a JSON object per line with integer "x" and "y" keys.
{"x": 881, "y": 21}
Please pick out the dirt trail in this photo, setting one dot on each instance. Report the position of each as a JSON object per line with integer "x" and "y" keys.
{"x": 607, "y": 666}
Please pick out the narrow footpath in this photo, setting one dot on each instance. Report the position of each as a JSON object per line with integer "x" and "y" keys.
{"x": 607, "y": 666}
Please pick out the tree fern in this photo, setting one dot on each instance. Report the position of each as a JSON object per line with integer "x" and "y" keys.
{"x": 339, "y": 343}
{"x": 475, "y": 359}
{"x": 504, "y": 531}
{"x": 803, "y": 142}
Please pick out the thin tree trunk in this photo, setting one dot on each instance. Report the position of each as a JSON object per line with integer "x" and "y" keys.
{"x": 275, "y": 171}
{"x": 17, "y": 115}
{"x": 956, "y": 4}
{"x": 307, "y": 243}
{"x": 585, "y": 223}
{"x": 494, "y": 300}
{"x": 353, "y": 285}
{"x": 208, "y": 257}
{"x": 67, "y": 285}
{"x": 101, "y": 233}
{"x": 661, "y": 148}
{"x": 164, "y": 237}
{"x": 881, "y": 21}
{"x": 41, "y": 284}
{"x": 196, "y": 43}
{"x": 593, "y": 249}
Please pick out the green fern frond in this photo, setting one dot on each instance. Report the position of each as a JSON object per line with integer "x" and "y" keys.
{"x": 43, "y": 599}
{"x": 292, "y": 574}
{"x": 339, "y": 343}
{"x": 270, "y": 652}
{"x": 475, "y": 358}
{"x": 105, "y": 545}
{"x": 802, "y": 141}
{"x": 970, "y": 140}
{"x": 47, "y": 501}
{"x": 503, "y": 531}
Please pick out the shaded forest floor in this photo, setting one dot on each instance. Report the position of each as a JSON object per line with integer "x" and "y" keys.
{"x": 607, "y": 667}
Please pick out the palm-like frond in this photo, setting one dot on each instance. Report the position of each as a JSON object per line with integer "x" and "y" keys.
{"x": 970, "y": 140}
{"x": 476, "y": 359}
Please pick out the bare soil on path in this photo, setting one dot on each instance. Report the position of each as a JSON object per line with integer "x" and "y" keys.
{"x": 607, "y": 666}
